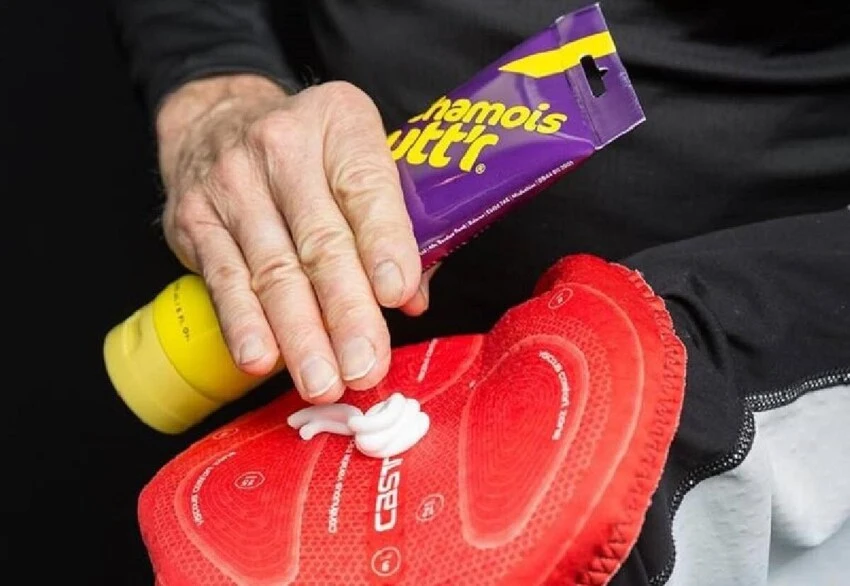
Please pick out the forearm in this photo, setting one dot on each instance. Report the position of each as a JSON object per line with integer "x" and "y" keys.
{"x": 171, "y": 42}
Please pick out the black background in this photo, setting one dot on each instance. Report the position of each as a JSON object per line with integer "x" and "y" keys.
{"x": 81, "y": 251}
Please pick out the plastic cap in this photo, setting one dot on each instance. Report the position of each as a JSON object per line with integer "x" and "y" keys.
{"x": 147, "y": 381}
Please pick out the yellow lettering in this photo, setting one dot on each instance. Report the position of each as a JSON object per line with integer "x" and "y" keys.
{"x": 474, "y": 133}
{"x": 400, "y": 150}
{"x": 436, "y": 111}
{"x": 551, "y": 123}
{"x": 515, "y": 116}
{"x": 479, "y": 111}
{"x": 431, "y": 144}
{"x": 457, "y": 111}
{"x": 438, "y": 158}
{"x": 417, "y": 155}
{"x": 469, "y": 159}
{"x": 531, "y": 124}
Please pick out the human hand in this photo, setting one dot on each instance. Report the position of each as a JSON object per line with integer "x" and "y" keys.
{"x": 290, "y": 208}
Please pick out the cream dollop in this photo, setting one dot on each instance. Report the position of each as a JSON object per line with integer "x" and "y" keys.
{"x": 317, "y": 419}
{"x": 387, "y": 429}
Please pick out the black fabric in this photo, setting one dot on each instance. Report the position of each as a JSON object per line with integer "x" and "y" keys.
{"x": 762, "y": 309}
{"x": 729, "y": 198}
{"x": 746, "y": 117}
{"x": 170, "y": 43}
{"x": 746, "y": 113}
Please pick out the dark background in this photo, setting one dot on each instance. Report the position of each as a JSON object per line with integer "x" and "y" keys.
{"x": 81, "y": 251}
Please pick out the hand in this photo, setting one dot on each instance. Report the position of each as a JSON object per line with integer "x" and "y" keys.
{"x": 290, "y": 208}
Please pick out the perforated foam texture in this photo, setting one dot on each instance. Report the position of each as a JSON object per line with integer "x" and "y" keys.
{"x": 548, "y": 437}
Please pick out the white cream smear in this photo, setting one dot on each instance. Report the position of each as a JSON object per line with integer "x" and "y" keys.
{"x": 387, "y": 429}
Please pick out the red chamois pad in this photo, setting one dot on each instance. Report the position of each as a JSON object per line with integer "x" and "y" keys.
{"x": 548, "y": 438}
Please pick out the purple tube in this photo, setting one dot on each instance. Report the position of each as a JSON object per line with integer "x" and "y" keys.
{"x": 511, "y": 130}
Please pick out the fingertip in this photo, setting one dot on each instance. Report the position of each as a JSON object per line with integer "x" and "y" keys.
{"x": 413, "y": 276}
{"x": 373, "y": 377}
{"x": 332, "y": 395}
{"x": 248, "y": 336}
{"x": 417, "y": 305}
{"x": 388, "y": 283}
{"x": 395, "y": 282}
{"x": 396, "y": 271}
{"x": 257, "y": 359}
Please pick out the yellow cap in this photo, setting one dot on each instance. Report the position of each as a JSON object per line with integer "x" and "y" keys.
{"x": 146, "y": 379}
{"x": 169, "y": 361}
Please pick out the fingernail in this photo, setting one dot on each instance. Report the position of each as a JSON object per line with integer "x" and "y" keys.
{"x": 357, "y": 359}
{"x": 252, "y": 349}
{"x": 388, "y": 283}
{"x": 317, "y": 376}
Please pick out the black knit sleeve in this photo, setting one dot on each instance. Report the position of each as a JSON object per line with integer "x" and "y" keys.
{"x": 170, "y": 42}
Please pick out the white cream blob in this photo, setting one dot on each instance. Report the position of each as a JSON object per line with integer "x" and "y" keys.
{"x": 317, "y": 419}
{"x": 387, "y": 429}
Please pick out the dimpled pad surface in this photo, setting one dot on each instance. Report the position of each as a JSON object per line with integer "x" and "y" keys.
{"x": 548, "y": 437}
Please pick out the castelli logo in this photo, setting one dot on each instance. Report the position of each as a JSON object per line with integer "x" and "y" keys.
{"x": 386, "y": 501}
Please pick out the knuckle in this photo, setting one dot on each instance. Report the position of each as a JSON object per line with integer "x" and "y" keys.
{"x": 237, "y": 317}
{"x": 279, "y": 272}
{"x": 324, "y": 246}
{"x": 346, "y": 93}
{"x": 296, "y": 339}
{"x": 228, "y": 171}
{"x": 362, "y": 181}
{"x": 223, "y": 279}
{"x": 273, "y": 129}
{"x": 352, "y": 114}
{"x": 228, "y": 186}
{"x": 388, "y": 245}
{"x": 349, "y": 311}
{"x": 189, "y": 212}
{"x": 390, "y": 234}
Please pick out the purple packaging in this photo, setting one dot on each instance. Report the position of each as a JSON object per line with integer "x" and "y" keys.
{"x": 511, "y": 130}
